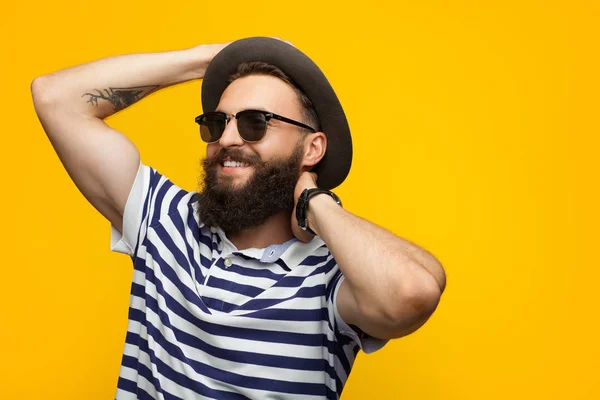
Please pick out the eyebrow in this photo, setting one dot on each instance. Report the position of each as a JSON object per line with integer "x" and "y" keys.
{"x": 246, "y": 108}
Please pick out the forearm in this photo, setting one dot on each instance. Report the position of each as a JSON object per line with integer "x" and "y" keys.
{"x": 385, "y": 273}
{"x": 103, "y": 87}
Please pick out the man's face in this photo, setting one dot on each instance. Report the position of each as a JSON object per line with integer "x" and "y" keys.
{"x": 237, "y": 198}
{"x": 256, "y": 92}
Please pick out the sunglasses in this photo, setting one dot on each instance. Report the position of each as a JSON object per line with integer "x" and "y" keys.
{"x": 251, "y": 124}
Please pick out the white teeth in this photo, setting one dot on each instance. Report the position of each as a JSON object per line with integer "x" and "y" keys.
{"x": 234, "y": 164}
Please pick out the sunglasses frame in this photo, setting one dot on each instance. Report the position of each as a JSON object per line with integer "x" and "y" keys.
{"x": 268, "y": 116}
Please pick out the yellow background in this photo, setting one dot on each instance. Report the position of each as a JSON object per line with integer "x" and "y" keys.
{"x": 475, "y": 128}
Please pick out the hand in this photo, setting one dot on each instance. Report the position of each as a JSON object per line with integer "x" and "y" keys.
{"x": 307, "y": 180}
{"x": 206, "y": 52}
{"x": 209, "y": 51}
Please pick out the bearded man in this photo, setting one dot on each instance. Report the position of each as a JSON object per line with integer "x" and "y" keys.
{"x": 259, "y": 285}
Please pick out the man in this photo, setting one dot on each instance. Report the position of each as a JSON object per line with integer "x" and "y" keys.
{"x": 232, "y": 295}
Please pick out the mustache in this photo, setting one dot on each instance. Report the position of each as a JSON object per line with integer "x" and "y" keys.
{"x": 234, "y": 155}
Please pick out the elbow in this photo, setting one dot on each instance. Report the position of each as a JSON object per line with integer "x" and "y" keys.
{"x": 420, "y": 294}
{"x": 41, "y": 92}
{"x": 422, "y": 303}
{"x": 410, "y": 308}
{"x": 416, "y": 303}
{"x": 437, "y": 271}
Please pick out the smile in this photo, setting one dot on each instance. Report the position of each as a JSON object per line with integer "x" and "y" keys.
{"x": 234, "y": 164}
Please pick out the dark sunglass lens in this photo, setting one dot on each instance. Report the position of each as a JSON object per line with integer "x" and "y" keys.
{"x": 212, "y": 127}
{"x": 252, "y": 126}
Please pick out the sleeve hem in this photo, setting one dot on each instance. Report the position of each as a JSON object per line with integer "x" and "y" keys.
{"x": 126, "y": 241}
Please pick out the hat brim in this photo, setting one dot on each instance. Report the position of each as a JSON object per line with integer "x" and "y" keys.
{"x": 335, "y": 165}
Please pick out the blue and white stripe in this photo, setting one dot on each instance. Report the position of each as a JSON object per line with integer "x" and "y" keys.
{"x": 209, "y": 321}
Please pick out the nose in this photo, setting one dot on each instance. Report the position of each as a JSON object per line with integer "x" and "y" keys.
{"x": 231, "y": 136}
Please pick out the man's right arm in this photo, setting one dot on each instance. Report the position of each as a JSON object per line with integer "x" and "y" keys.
{"x": 72, "y": 103}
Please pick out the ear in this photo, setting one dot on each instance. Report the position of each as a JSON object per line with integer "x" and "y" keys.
{"x": 315, "y": 145}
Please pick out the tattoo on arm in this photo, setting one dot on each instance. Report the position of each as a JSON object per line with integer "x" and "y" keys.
{"x": 120, "y": 97}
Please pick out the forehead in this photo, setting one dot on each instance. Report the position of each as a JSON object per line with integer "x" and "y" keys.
{"x": 260, "y": 92}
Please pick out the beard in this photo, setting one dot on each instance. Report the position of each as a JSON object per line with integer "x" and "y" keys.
{"x": 236, "y": 208}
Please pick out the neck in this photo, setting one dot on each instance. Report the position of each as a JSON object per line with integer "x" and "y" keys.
{"x": 276, "y": 230}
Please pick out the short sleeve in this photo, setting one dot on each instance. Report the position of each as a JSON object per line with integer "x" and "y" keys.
{"x": 125, "y": 242}
{"x": 151, "y": 196}
{"x": 366, "y": 343}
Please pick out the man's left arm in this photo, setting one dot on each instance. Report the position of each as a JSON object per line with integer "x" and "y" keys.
{"x": 391, "y": 286}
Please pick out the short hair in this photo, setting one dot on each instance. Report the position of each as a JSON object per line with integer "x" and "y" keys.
{"x": 261, "y": 68}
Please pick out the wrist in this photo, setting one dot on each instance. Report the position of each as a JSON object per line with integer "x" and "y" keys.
{"x": 201, "y": 56}
{"x": 320, "y": 205}
{"x": 192, "y": 63}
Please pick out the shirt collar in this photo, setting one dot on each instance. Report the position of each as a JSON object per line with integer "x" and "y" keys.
{"x": 292, "y": 252}
{"x": 298, "y": 251}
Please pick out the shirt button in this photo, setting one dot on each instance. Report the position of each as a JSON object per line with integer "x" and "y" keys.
{"x": 213, "y": 229}
{"x": 228, "y": 263}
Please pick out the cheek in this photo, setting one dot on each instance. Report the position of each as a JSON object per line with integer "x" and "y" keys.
{"x": 271, "y": 147}
{"x": 211, "y": 150}
{"x": 263, "y": 153}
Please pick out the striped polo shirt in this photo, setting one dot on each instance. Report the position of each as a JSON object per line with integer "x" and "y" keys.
{"x": 207, "y": 320}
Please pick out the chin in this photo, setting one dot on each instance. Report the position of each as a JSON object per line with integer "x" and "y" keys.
{"x": 233, "y": 183}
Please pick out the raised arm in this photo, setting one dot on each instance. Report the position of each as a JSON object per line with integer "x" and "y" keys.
{"x": 72, "y": 103}
{"x": 391, "y": 285}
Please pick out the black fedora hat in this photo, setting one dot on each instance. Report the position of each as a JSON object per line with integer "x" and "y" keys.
{"x": 335, "y": 165}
